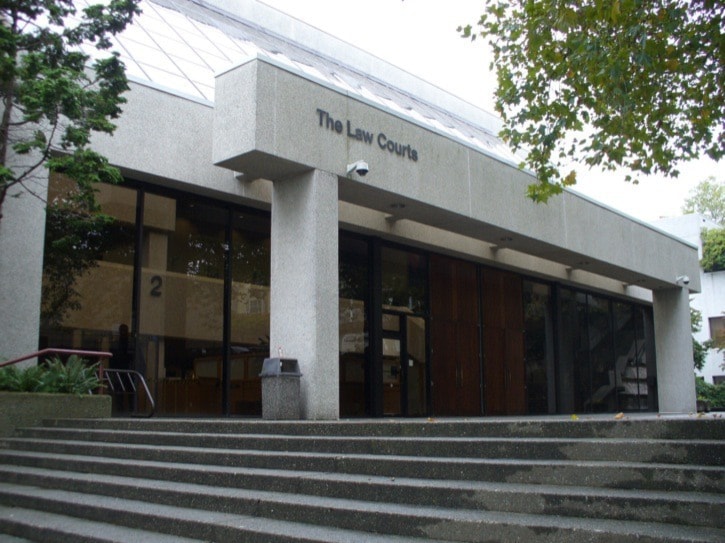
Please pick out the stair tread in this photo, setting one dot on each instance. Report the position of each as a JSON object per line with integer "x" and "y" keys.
{"x": 73, "y": 527}
{"x": 635, "y": 529}
{"x": 327, "y": 455}
{"x": 300, "y": 481}
{"x": 379, "y": 438}
{"x": 377, "y": 480}
{"x": 295, "y": 531}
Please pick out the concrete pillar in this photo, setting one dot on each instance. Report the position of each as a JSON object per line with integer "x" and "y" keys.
{"x": 22, "y": 236}
{"x": 673, "y": 345}
{"x": 304, "y": 286}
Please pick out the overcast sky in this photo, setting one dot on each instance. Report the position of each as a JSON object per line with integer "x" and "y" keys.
{"x": 420, "y": 36}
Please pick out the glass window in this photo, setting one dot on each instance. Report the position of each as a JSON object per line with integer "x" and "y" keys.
{"x": 87, "y": 268}
{"x": 354, "y": 289}
{"x": 717, "y": 331}
{"x": 250, "y": 252}
{"x": 602, "y": 381}
{"x": 404, "y": 281}
{"x": 573, "y": 386}
{"x": 539, "y": 348}
{"x": 181, "y": 317}
{"x": 645, "y": 361}
{"x": 416, "y": 366}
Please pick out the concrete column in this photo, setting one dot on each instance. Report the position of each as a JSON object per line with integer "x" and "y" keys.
{"x": 304, "y": 286}
{"x": 22, "y": 236}
{"x": 673, "y": 345}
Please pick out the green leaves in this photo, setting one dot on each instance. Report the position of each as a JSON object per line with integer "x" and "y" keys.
{"x": 707, "y": 199}
{"x": 54, "y": 97}
{"x": 629, "y": 84}
{"x": 713, "y": 250}
{"x": 54, "y": 376}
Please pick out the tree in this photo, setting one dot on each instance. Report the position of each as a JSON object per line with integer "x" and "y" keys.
{"x": 699, "y": 350}
{"x": 633, "y": 84}
{"x": 707, "y": 199}
{"x": 713, "y": 250}
{"x": 54, "y": 96}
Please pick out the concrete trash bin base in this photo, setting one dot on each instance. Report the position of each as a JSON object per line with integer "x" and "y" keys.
{"x": 280, "y": 389}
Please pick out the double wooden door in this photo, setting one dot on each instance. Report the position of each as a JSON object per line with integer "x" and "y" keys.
{"x": 476, "y": 340}
{"x": 503, "y": 343}
{"x": 454, "y": 338}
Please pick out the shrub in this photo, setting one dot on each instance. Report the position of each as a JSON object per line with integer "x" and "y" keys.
{"x": 713, "y": 250}
{"x": 713, "y": 394}
{"x": 54, "y": 376}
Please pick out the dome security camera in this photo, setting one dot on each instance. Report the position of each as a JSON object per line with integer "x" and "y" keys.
{"x": 360, "y": 167}
{"x": 682, "y": 280}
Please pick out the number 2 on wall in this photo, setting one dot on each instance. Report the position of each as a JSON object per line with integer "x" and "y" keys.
{"x": 156, "y": 283}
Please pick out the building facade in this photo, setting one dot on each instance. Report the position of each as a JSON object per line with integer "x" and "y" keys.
{"x": 710, "y": 302}
{"x": 289, "y": 195}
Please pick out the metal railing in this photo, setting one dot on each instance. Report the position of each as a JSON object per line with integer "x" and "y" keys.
{"x": 123, "y": 385}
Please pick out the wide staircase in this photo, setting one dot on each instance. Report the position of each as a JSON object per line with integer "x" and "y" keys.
{"x": 554, "y": 480}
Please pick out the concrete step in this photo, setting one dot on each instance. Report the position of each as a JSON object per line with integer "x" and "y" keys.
{"x": 240, "y": 480}
{"x": 690, "y": 508}
{"x": 652, "y": 426}
{"x": 668, "y": 451}
{"x": 623, "y": 475}
{"x": 349, "y": 516}
{"x": 180, "y": 523}
{"x": 51, "y": 528}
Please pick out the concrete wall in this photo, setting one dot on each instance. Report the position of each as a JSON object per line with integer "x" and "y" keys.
{"x": 675, "y": 376}
{"x": 711, "y": 301}
{"x": 27, "y": 409}
{"x": 22, "y": 234}
{"x": 297, "y": 124}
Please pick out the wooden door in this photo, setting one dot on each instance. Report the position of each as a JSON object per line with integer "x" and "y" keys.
{"x": 454, "y": 338}
{"x": 503, "y": 343}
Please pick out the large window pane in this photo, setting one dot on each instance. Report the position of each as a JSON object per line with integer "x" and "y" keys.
{"x": 416, "y": 366}
{"x": 88, "y": 271}
{"x": 182, "y": 288}
{"x": 354, "y": 352}
{"x": 539, "y": 361}
{"x": 573, "y": 377}
{"x": 602, "y": 379}
{"x": 404, "y": 281}
{"x": 249, "y": 311}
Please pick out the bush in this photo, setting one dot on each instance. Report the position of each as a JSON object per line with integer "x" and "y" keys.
{"x": 54, "y": 376}
{"x": 713, "y": 394}
{"x": 713, "y": 250}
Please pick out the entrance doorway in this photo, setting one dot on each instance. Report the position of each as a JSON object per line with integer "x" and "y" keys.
{"x": 455, "y": 342}
{"x": 404, "y": 368}
{"x": 503, "y": 343}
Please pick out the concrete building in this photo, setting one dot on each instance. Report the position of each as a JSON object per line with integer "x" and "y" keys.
{"x": 710, "y": 302}
{"x": 288, "y": 194}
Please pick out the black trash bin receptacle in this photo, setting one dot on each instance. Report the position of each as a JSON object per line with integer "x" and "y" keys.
{"x": 280, "y": 389}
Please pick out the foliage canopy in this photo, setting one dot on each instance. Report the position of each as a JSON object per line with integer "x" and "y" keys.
{"x": 54, "y": 95}
{"x": 713, "y": 250}
{"x": 707, "y": 199}
{"x": 699, "y": 350}
{"x": 634, "y": 84}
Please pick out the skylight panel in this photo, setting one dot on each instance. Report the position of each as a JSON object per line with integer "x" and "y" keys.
{"x": 171, "y": 80}
{"x": 137, "y": 33}
{"x": 196, "y": 72}
{"x": 207, "y": 91}
{"x": 149, "y": 56}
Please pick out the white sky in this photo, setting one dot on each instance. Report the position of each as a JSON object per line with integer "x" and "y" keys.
{"x": 420, "y": 37}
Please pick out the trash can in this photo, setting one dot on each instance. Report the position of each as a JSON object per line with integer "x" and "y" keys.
{"x": 280, "y": 389}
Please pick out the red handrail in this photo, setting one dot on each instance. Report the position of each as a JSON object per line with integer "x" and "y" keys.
{"x": 94, "y": 354}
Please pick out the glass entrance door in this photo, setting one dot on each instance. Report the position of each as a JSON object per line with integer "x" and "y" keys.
{"x": 404, "y": 367}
